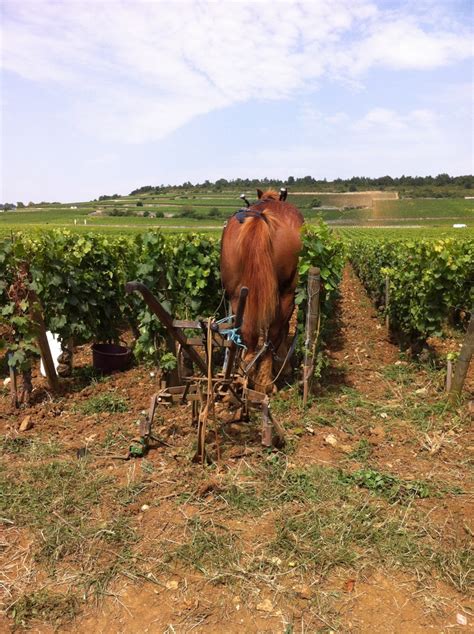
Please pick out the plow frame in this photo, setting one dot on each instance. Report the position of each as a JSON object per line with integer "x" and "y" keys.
{"x": 210, "y": 387}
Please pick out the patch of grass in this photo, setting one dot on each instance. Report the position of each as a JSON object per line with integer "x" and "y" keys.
{"x": 389, "y": 486}
{"x": 118, "y": 530}
{"x": 242, "y": 498}
{"x": 344, "y": 529}
{"x": 428, "y": 415}
{"x": 63, "y": 488}
{"x": 87, "y": 374}
{"x": 362, "y": 451}
{"x": 312, "y": 484}
{"x": 273, "y": 485}
{"x": 79, "y": 539}
{"x": 457, "y": 567}
{"x": 299, "y": 485}
{"x": 211, "y": 549}
{"x": 62, "y": 503}
{"x": 31, "y": 447}
{"x": 16, "y": 445}
{"x": 401, "y": 374}
{"x": 353, "y": 413}
{"x": 313, "y": 541}
{"x": 331, "y": 522}
{"x": 116, "y": 439}
{"x": 58, "y": 499}
{"x": 342, "y": 410}
{"x": 128, "y": 494}
{"x": 44, "y": 606}
{"x": 107, "y": 402}
{"x": 286, "y": 401}
{"x": 147, "y": 466}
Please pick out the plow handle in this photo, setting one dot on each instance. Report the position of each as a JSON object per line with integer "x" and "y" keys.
{"x": 167, "y": 321}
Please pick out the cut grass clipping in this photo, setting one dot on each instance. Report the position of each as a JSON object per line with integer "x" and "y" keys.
{"x": 336, "y": 524}
{"x": 45, "y": 606}
{"x": 212, "y": 549}
{"x": 327, "y": 519}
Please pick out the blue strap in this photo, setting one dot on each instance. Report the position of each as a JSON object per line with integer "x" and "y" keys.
{"x": 233, "y": 333}
{"x": 228, "y": 318}
{"x": 234, "y": 336}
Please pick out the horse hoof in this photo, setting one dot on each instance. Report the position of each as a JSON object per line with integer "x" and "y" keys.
{"x": 278, "y": 441}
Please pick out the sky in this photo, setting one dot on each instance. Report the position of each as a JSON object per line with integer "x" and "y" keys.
{"x": 104, "y": 97}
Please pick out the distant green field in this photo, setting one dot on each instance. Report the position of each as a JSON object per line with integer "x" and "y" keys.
{"x": 114, "y": 225}
{"x": 442, "y": 213}
{"x": 424, "y": 208}
{"x": 406, "y": 211}
{"x": 404, "y": 232}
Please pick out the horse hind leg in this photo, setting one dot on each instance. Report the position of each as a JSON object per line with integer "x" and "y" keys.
{"x": 264, "y": 376}
{"x": 260, "y": 372}
{"x": 289, "y": 312}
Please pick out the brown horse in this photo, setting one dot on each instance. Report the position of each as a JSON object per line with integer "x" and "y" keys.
{"x": 259, "y": 249}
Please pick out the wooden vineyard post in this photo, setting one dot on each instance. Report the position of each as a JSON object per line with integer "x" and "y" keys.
{"x": 462, "y": 364}
{"x": 449, "y": 375}
{"x": 13, "y": 387}
{"x": 43, "y": 344}
{"x": 312, "y": 319}
{"x": 387, "y": 301}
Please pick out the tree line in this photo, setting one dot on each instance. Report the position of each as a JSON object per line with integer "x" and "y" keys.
{"x": 356, "y": 183}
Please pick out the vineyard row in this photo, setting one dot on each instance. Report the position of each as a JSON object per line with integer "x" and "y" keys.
{"x": 80, "y": 279}
{"x": 80, "y": 284}
{"x": 419, "y": 284}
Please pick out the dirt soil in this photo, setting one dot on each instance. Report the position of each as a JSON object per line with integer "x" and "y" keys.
{"x": 375, "y": 409}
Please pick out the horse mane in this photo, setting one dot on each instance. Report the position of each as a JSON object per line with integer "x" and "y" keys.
{"x": 270, "y": 194}
{"x": 254, "y": 242}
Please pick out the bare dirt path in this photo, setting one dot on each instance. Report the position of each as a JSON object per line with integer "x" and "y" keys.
{"x": 388, "y": 413}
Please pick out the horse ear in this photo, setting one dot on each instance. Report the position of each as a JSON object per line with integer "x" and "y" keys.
{"x": 259, "y": 193}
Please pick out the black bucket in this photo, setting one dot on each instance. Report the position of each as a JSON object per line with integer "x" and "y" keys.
{"x": 110, "y": 357}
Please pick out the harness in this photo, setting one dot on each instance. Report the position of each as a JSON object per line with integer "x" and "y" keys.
{"x": 244, "y": 212}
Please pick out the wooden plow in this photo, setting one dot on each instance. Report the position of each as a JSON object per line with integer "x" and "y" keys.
{"x": 207, "y": 384}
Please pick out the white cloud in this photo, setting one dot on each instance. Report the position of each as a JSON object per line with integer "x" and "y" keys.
{"x": 103, "y": 159}
{"x": 401, "y": 44}
{"x": 338, "y": 118}
{"x": 137, "y": 71}
{"x": 385, "y": 119}
{"x": 312, "y": 118}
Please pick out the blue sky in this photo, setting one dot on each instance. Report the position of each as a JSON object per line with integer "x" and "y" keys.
{"x": 103, "y": 97}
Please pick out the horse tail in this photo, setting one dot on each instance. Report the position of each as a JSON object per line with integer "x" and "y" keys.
{"x": 255, "y": 246}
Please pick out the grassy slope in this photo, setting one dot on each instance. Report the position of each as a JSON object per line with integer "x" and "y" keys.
{"x": 424, "y": 208}
{"x": 406, "y": 211}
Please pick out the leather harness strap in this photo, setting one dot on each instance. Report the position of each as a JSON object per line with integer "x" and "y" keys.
{"x": 245, "y": 212}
